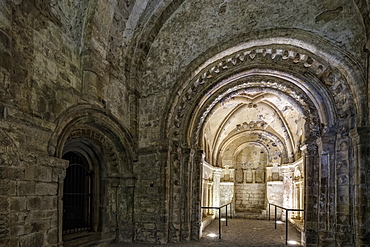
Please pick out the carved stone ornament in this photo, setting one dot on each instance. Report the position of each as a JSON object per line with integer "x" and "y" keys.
{"x": 330, "y": 78}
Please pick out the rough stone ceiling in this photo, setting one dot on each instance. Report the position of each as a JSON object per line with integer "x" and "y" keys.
{"x": 193, "y": 32}
{"x": 205, "y": 28}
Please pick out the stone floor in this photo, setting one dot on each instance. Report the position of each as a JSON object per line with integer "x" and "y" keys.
{"x": 240, "y": 232}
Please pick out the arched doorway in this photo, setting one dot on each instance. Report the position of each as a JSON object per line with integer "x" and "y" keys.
{"x": 77, "y": 194}
{"x": 96, "y": 203}
{"x": 276, "y": 92}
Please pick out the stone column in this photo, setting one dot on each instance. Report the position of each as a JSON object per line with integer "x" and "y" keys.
{"x": 63, "y": 164}
{"x": 311, "y": 205}
{"x": 216, "y": 188}
{"x": 188, "y": 196}
{"x": 344, "y": 198}
{"x": 195, "y": 180}
{"x": 126, "y": 208}
{"x": 361, "y": 160}
{"x": 175, "y": 194}
{"x": 327, "y": 185}
{"x": 185, "y": 194}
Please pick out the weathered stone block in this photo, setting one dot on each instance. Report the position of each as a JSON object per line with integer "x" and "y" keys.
{"x": 17, "y": 204}
{"x": 12, "y": 188}
{"x": 33, "y": 239}
{"x": 5, "y": 59}
{"x": 17, "y": 230}
{"x": 46, "y": 189}
{"x": 41, "y": 203}
{"x": 30, "y": 173}
{"x": 4, "y": 204}
{"x": 13, "y": 242}
{"x": 15, "y": 173}
{"x": 58, "y": 174}
{"x": 149, "y": 226}
{"x": 54, "y": 221}
{"x": 43, "y": 174}
{"x": 26, "y": 188}
{"x": 15, "y": 217}
{"x": 3, "y": 173}
{"x": 42, "y": 214}
{"x": 40, "y": 225}
{"x": 52, "y": 236}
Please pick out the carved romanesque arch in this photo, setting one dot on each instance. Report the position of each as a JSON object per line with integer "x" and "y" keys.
{"x": 329, "y": 87}
{"x": 90, "y": 131}
{"x": 86, "y": 120}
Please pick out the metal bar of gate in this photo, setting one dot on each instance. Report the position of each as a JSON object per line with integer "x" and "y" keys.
{"x": 226, "y": 215}
{"x": 219, "y": 223}
{"x": 275, "y": 217}
{"x": 269, "y": 211}
{"x": 286, "y": 226}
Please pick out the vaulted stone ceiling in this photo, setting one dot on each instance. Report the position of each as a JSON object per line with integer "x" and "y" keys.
{"x": 270, "y": 119}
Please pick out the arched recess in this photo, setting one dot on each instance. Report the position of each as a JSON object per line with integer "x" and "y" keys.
{"x": 275, "y": 147}
{"x": 329, "y": 88}
{"x": 248, "y": 125}
{"x": 107, "y": 148}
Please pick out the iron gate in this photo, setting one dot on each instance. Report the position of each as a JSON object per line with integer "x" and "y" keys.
{"x": 77, "y": 199}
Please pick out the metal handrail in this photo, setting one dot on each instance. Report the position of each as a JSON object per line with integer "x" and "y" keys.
{"x": 219, "y": 215}
{"x": 286, "y": 216}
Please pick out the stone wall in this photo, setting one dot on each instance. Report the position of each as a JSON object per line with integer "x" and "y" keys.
{"x": 30, "y": 215}
{"x": 150, "y": 199}
{"x": 42, "y": 77}
{"x": 137, "y": 64}
{"x": 250, "y": 197}
{"x": 227, "y": 195}
{"x": 275, "y": 195}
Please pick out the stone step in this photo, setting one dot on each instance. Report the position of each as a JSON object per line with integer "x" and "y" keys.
{"x": 88, "y": 240}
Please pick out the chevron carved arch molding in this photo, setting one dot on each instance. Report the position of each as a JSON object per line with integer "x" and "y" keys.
{"x": 339, "y": 87}
{"x": 273, "y": 86}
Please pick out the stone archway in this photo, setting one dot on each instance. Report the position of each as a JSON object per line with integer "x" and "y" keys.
{"x": 90, "y": 132}
{"x": 326, "y": 87}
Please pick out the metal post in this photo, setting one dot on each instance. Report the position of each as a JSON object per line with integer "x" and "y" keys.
{"x": 226, "y": 215}
{"x": 231, "y": 211}
{"x": 286, "y": 226}
{"x": 219, "y": 223}
{"x": 269, "y": 211}
{"x": 275, "y": 216}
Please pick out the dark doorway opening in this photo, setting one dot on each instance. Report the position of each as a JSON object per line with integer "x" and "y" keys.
{"x": 77, "y": 195}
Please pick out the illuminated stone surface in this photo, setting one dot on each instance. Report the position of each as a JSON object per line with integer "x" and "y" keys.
{"x": 171, "y": 105}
